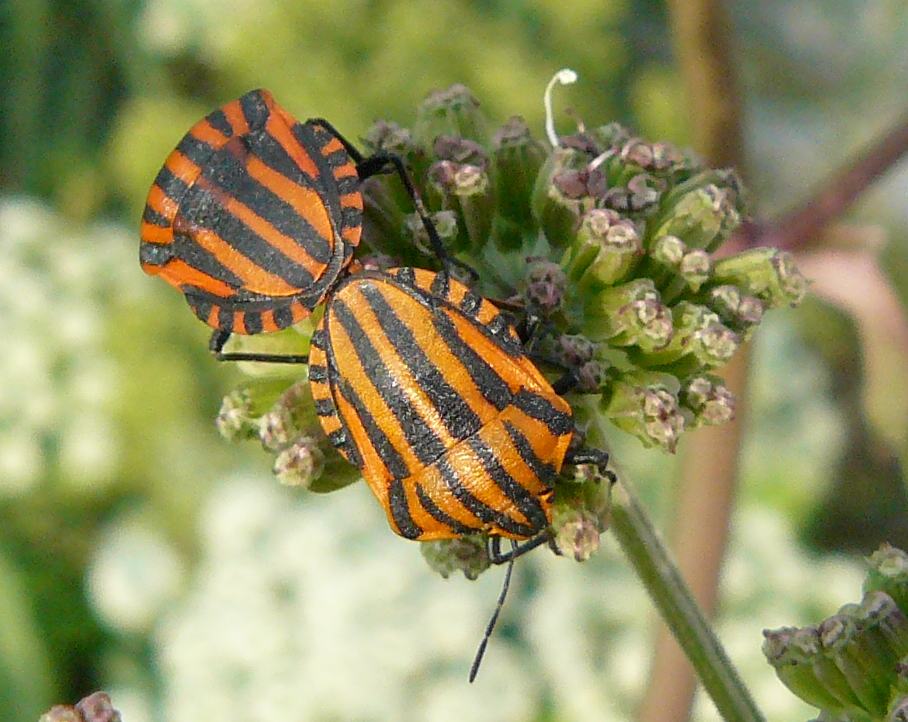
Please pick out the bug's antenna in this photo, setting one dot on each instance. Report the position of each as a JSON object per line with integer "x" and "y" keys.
{"x": 477, "y": 660}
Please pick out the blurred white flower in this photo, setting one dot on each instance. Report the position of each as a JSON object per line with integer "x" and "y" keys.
{"x": 132, "y": 576}
{"x": 57, "y": 284}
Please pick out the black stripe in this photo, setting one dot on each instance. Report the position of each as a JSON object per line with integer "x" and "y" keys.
{"x": 438, "y": 515}
{"x": 400, "y": 511}
{"x": 188, "y": 250}
{"x": 520, "y": 496}
{"x": 318, "y": 373}
{"x": 252, "y": 320}
{"x": 347, "y": 184}
{"x": 392, "y": 460}
{"x": 544, "y": 472}
{"x": 440, "y": 285}
{"x": 539, "y": 408}
{"x": 498, "y": 325}
{"x": 493, "y": 388}
{"x": 155, "y": 254}
{"x": 424, "y": 442}
{"x": 406, "y": 276}
{"x": 351, "y": 216}
{"x": 338, "y": 438}
{"x": 230, "y": 174}
{"x": 321, "y": 136}
{"x": 318, "y": 338}
{"x": 325, "y": 183}
{"x": 203, "y": 209}
{"x": 480, "y": 510}
{"x": 470, "y": 303}
{"x": 225, "y": 319}
{"x": 283, "y": 317}
{"x": 173, "y": 187}
{"x": 255, "y": 109}
{"x": 459, "y": 419}
{"x": 219, "y": 122}
{"x": 196, "y": 150}
{"x": 267, "y": 149}
{"x": 337, "y": 158}
{"x": 150, "y": 215}
{"x": 324, "y": 407}
{"x": 200, "y": 305}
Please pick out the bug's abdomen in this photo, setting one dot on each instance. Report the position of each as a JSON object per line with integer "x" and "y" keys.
{"x": 425, "y": 388}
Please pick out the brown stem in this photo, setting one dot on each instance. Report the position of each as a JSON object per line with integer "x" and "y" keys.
{"x": 803, "y": 224}
{"x": 703, "y": 37}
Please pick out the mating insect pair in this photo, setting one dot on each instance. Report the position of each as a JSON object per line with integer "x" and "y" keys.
{"x": 422, "y": 384}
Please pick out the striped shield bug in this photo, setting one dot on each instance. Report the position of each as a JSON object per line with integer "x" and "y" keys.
{"x": 254, "y": 215}
{"x": 426, "y": 387}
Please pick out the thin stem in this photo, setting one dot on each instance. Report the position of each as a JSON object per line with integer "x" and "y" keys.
{"x": 645, "y": 550}
{"x": 804, "y": 224}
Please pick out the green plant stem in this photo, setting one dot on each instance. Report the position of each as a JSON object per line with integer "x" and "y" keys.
{"x": 646, "y": 552}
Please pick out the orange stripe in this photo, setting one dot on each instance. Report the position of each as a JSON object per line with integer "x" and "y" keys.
{"x": 332, "y": 146}
{"x": 352, "y": 234}
{"x": 182, "y": 167}
{"x": 285, "y": 244}
{"x": 254, "y": 278}
{"x": 278, "y": 128}
{"x": 207, "y": 133}
{"x": 305, "y": 201}
{"x": 374, "y": 472}
{"x": 268, "y": 323}
{"x": 234, "y": 113}
{"x": 239, "y": 322}
{"x": 352, "y": 200}
{"x": 151, "y": 233}
{"x": 179, "y": 273}
{"x": 344, "y": 171}
{"x": 213, "y": 316}
{"x": 159, "y": 201}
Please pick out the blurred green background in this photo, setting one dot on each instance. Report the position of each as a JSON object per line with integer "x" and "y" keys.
{"x": 143, "y": 555}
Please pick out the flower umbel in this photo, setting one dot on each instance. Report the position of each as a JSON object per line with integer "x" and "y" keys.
{"x": 601, "y": 246}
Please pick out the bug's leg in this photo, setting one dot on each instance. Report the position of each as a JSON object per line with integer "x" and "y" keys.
{"x": 592, "y": 456}
{"x": 219, "y": 338}
{"x": 566, "y": 383}
{"x": 477, "y": 660}
{"x": 496, "y": 556}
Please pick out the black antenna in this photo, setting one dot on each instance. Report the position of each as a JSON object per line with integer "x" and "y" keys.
{"x": 477, "y": 660}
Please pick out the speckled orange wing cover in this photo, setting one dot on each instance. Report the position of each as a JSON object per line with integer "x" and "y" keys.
{"x": 425, "y": 387}
{"x": 253, "y": 216}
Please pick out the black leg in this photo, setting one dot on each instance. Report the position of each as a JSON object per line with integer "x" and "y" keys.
{"x": 379, "y": 163}
{"x": 477, "y": 660}
{"x": 219, "y": 338}
{"x": 517, "y": 550}
{"x": 566, "y": 383}
{"x": 592, "y": 456}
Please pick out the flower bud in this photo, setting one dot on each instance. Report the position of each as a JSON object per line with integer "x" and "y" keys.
{"x": 460, "y": 151}
{"x": 517, "y": 159}
{"x": 702, "y": 211}
{"x": 96, "y": 707}
{"x": 604, "y": 251}
{"x": 629, "y": 315}
{"x": 446, "y": 225}
{"x": 467, "y": 554}
{"x": 241, "y": 409}
{"x": 709, "y": 400}
{"x": 573, "y": 350}
{"x": 576, "y": 531}
{"x": 560, "y": 195}
{"x": 301, "y": 463}
{"x": 452, "y": 111}
{"x": 645, "y": 405}
{"x": 790, "y": 651}
{"x": 737, "y": 310}
{"x": 545, "y": 285}
{"x": 467, "y": 190}
{"x": 292, "y": 414}
{"x": 767, "y": 273}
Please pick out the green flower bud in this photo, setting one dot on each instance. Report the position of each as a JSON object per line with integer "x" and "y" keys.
{"x": 452, "y": 111}
{"x": 301, "y": 463}
{"x": 604, "y": 251}
{"x": 390, "y": 137}
{"x": 840, "y": 636}
{"x": 545, "y": 285}
{"x": 460, "y": 151}
{"x": 291, "y": 415}
{"x": 695, "y": 268}
{"x": 241, "y": 409}
{"x": 645, "y": 405}
{"x": 668, "y": 251}
{"x": 700, "y": 340}
{"x": 629, "y": 315}
{"x": 466, "y": 190}
{"x": 576, "y": 532}
{"x": 767, "y": 273}
{"x": 790, "y": 651}
{"x": 709, "y": 399}
{"x": 467, "y": 554}
{"x": 737, "y": 310}
{"x": 612, "y": 135}
{"x": 517, "y": 160}
{"x": 573, "y": 350}
{"x": 640, "y": 193}
{"x": 61, "y": 713}
{"x": 560, "y": 195}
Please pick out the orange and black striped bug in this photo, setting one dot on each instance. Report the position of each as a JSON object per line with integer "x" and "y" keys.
{"x": 254, "y": 215}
